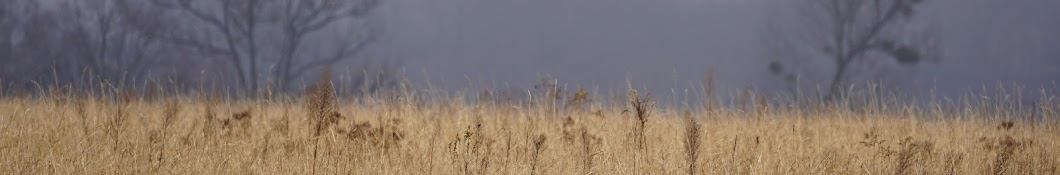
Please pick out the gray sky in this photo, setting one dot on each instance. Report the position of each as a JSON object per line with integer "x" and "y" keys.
{"x": 664, "y": 44}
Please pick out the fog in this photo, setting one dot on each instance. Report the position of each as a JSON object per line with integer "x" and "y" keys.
{"x": 662, "y": 46}
{"x": 673, "y": 44}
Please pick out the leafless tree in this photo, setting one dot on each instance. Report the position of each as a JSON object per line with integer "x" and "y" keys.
{"x": 853, "y": 35}
{"x": 119, "y": 38}
{"x": 237, "y": 30}
{"x": 68, "y": 42}
{"x": 22, "y": 40}
{"x": 234, "y": 23}
{"x": 258, "y": 42}
{"x": 7, "y": 24}
{"x": 306, "y": 17}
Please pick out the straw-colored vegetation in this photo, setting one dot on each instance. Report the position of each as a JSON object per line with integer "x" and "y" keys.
{"x": 551, "y": 133}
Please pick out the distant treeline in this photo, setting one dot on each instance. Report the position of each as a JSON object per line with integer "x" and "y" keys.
{"x": 242, "y": 46}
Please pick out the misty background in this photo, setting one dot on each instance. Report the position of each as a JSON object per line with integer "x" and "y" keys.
{"x": 662, "y": 46}
{"x": 667, "y": 44}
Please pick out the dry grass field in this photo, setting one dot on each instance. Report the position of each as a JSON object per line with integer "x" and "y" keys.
{"x": 321, "y": 134}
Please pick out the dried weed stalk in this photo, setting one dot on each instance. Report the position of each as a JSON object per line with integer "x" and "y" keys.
{"x": 169, "y": 116}
{"x": 692, "y": 142}
{"x": 538, "y": 149}
{"x": 640, "y": 111}
{"x": 320, "y": 105}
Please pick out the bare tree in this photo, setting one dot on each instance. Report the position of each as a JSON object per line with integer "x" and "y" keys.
{"x": 34, "y": 45}
{"x": 7, "y": 25}
{"x": 24, "y": 36}
{"x": 850, "y": 34}
{"x": 67, "y": 42}
{"x": 62, "y": 42}
{"x": 234, "y": 29}
{"x": 117, "y": 37}
{"x": 234, "y": 22}
{"x": 303, "y": 18}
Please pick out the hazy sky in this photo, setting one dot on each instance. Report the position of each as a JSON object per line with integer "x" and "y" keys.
{"x": 664, "y": 44}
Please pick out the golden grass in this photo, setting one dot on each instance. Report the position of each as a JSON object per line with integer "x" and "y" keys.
{"x": 182, "y": 135}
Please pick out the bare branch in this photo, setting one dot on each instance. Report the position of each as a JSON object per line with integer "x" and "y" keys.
{"x": 345, "y": 53}
{"x": 850, "y": 29}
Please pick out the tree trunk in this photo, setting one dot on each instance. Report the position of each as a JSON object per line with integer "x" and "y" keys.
{"x": 834, "y": 89}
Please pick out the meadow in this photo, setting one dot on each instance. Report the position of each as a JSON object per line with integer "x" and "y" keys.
{"x": 554, "y": 132}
